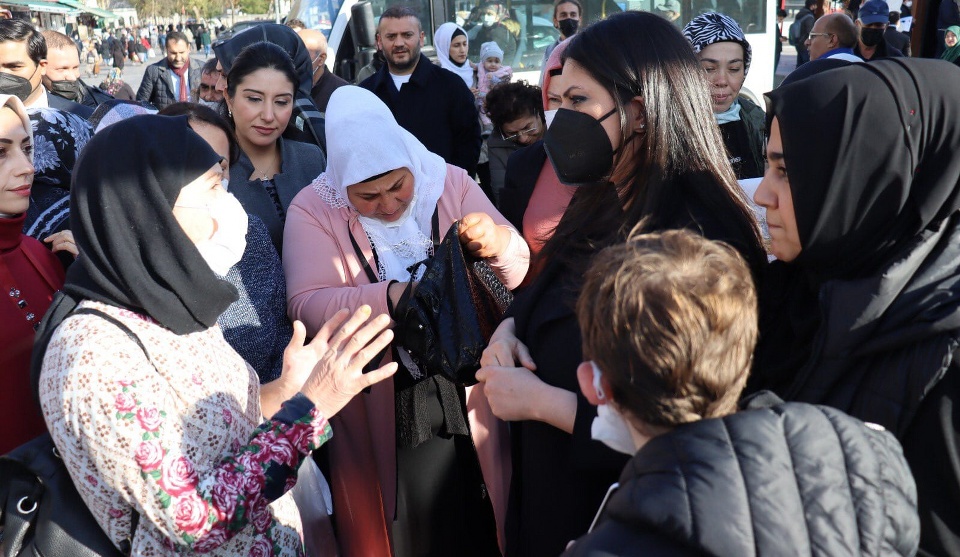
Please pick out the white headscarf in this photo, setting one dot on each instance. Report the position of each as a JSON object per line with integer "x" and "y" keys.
{"x": 441, "y": 41}
{"x": 363, "y": 141}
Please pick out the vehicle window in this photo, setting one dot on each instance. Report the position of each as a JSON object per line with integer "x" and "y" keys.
{"x": 318, "y": 14}
{"x": 750, "y": 14}
{"x": 422, "y": 7}
{"x": 527, "y": 30}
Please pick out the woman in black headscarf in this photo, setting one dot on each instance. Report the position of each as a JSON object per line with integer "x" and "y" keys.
{"x": 160, "y": 423}
{"x": 866, "y": 222}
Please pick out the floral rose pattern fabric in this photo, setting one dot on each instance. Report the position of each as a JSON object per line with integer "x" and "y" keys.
{"x": 178, "y": 438}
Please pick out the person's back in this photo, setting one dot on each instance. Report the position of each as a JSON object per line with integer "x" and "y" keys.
{"x": 787, "y": 479}
{"x": 775, "y": 479}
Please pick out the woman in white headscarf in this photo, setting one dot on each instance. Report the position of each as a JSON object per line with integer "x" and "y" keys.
{"x": 452, "y": 46}
{"x": 404, "y": 466}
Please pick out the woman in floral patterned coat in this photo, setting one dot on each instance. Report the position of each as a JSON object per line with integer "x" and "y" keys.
{"x": 160, "y": 423}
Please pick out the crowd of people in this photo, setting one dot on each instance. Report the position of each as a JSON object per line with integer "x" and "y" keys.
{"x": 203, "y": 279}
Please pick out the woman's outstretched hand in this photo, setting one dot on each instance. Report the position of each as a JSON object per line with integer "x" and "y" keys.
{"x": 482, "y": 237}
{"x": 330, "y": 367}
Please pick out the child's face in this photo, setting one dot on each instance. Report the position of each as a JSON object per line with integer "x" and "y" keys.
{"x": 491, "y": 64}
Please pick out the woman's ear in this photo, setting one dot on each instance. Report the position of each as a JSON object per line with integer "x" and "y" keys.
{"x": 637, "y": 111}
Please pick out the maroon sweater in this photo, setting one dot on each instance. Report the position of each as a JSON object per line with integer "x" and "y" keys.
{"x": 29, "y": 275}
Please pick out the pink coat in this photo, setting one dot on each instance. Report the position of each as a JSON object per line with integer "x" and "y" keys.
{"x": 323, "y": 275}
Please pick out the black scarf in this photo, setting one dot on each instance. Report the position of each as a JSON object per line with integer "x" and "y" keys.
{"x": 873, "y": 183}
{"x": 134, "y": 254}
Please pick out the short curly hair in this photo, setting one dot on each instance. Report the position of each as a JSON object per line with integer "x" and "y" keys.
{"x": 511, "y": 101}
{"x": 671, "y": 320}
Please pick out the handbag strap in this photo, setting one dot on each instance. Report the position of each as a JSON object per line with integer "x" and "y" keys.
{"x": 371, "y": 274}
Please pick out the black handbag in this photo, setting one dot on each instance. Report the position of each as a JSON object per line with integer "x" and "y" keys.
{"x": 41, "y": 512}
{"x": 447, "y": 318}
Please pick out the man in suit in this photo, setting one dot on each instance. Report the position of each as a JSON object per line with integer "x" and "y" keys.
{"x": 23, "y": 63}
{"x": 170, "y": 80}
{"x": 62, "y": 77}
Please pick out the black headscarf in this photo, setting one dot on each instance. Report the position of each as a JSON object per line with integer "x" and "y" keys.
{"x": 871, "y": 154}
{"x": 305, "y": 113}
{"x": 134, "y": 254}
{"x": 870, "y": 151}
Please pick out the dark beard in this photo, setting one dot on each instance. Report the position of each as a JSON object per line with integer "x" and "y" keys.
{"x": 414, "y": 58}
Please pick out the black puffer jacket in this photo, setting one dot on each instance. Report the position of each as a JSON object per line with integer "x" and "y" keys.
{"x": 791, "y": 479}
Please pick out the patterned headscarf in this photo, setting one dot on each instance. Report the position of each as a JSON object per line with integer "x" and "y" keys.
{"x": 116, "y": 110}
{"x": 114, "y": 82}
{"x": 58, "y": 138}
{"x": 709, "y": 28}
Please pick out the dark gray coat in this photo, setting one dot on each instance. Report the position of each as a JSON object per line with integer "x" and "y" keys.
{"x": 157, "y": 88}
{"x": 300, "y": 164}
{"x": 790, "y": 479}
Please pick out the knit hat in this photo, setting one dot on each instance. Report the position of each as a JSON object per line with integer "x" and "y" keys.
{"x": 709, "y": 28}
{"x": 490, "y": 49}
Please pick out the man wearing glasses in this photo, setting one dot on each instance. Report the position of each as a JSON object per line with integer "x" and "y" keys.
{"x": 833, "y": 36}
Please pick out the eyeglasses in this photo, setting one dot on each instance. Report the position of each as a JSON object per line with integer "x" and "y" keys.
{"x": 814, "y": 35}
{"x": 527, "y": 132}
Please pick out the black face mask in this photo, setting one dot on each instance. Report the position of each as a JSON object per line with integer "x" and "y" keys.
{"x": 15, "y": 85}
{"x": 870, "y": 36}
{"x": 67, "y": 89}
{"x": 578, "y": 147}
{"x": 568, "y": 27}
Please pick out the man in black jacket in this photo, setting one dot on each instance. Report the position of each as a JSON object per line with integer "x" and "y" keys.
{"x": 430, "y": 102}
{"x": 669, "y": 324}
{"x": 805, "y": 18}
{"x": 872, "y": 23}
{"x": 896, "y": 38}
{"x": 62, "y": 77}
{"x": 163, "y": 83}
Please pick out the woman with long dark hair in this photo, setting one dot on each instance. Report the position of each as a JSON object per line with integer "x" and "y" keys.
{"x": 271, "y": 170}
{"x": 635, "y": 132}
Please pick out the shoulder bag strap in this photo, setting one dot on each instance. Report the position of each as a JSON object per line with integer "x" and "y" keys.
{"x": 371, "y": 274}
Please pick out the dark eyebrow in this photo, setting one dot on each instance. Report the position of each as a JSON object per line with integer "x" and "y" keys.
{"x": 774, "y": 156}
{"x": 571, "y": 88}
{"x": 712, "y": 61}
{"x": 6, "y": 141}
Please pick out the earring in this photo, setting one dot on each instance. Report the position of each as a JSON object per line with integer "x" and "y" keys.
{"x": 229, "y": 113}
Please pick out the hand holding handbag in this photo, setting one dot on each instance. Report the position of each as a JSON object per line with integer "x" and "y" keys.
{"x": 446, "y": 320}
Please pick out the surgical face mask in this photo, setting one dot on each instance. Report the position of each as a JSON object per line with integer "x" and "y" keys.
{"x": 225, "y": 248}
{"x": 568, "y": 27}
{"x": 15, "y": 85}
{"x": 549, "y": 115}
{"x": 579, "y": 148}
{"x": 67, "y": 89}
{"x": 226, "y": 183}
{"x": 213, "y": 105}
{"x": 488, "y": 20}
{"x": 609, "y": 427}
{"x": 870, "y": 36}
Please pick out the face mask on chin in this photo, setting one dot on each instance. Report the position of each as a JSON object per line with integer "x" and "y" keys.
{"x": 213, "y": 105}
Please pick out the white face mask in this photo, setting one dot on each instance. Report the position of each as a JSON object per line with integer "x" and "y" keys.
{"x": 226, "y": 183}
{"x": 609, "y": 427}
{"x": 213, "y": 105}
{"x": 224, "y": 249}
{"x": 548, "y": 116}
{"x": 488, "y": 20}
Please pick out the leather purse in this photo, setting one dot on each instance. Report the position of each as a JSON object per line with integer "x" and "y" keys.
{"x": 446, "y": 320}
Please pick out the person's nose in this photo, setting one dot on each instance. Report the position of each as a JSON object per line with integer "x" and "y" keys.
{"x": 23, "y": 164}
{"x": 764, "y": 195}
